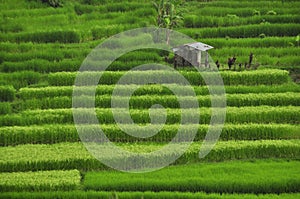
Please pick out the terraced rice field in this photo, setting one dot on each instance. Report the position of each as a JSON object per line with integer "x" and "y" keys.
{"x": 42, "y": 155}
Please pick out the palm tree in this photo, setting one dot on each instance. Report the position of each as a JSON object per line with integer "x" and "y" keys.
{"x": 168, "y": 16}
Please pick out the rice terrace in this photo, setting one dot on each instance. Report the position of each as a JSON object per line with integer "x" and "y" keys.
{"x": 150, "y": 99}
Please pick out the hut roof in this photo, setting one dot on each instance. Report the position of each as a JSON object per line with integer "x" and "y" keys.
{"x": 197, "y": 45}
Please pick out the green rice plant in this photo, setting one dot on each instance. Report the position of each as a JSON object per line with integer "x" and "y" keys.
{"x": 11, "y": 27}
{"x": 55, "y": 133}
{"x": 7, "y": 93}
{"x": 253, "y": 4}
{"x": 83, "y": 9}
{"x": 244, "y": 51}
{"x": 231, "y": 177}
{"x": 41, "y": 65}
{"x": 195, "y": 78}
{"x": 278, "y": 42}
{"x": 30, "y": 93}
{"x": 40, "y": 181}
{"x": 49, "y": 48}
{"x": 146, "y": 194}
{"x": 195, "y": 21}
{"x": 20, "y": 79}
{"x": 5, "y": 108}
{"x": 167, "y": 101}
{"x": 63, "y": 36}
{"x": 215, "y": 10}
{"x": 140, "y": 55}
{"x": 64, "y": 156}
{"x": 99, "y": 32}
{"x": 244, "y": 31}
{"x": 59, "y": 91}
{"x": 260, "y": 114}
{"x": 49, "y": 55}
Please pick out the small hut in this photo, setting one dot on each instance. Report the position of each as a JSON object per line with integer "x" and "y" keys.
{"x": 191, "y": 54}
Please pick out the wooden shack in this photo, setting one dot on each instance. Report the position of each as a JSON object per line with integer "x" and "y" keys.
{"x": 191, "y": 54}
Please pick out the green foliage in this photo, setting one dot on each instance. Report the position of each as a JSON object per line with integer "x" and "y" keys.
{"x": 53, "y": 3}
{"x": 248, "y": 177}
{"x": 167, "y": 101}
{"x": 256, "y": 12}
{"x": 41, "y": 65}
{"x": 271, "y": 12}
{"x": 275, "y": 42}
{"x": 262, "y": 35}
{"x": 59, "y": 91}
{"x": 195, "y": 78}
{"x": 75, "y": 156}
{"x": 194, "y": 21}
{"x": 20, "y": 79}
{"x": 260, "y": 114}
{"x": 40, "y": 181}
{"x": 49, "y": 134}
{"x": 5, "y": 108}
{"x": 62, "y": 36}
{"x": 146, "y": 194}
{"x": 7, "y": 93}
{"x": 83, "y": 9}
{"x": 36, "y": 37}
{"x": 244, "y": 31}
